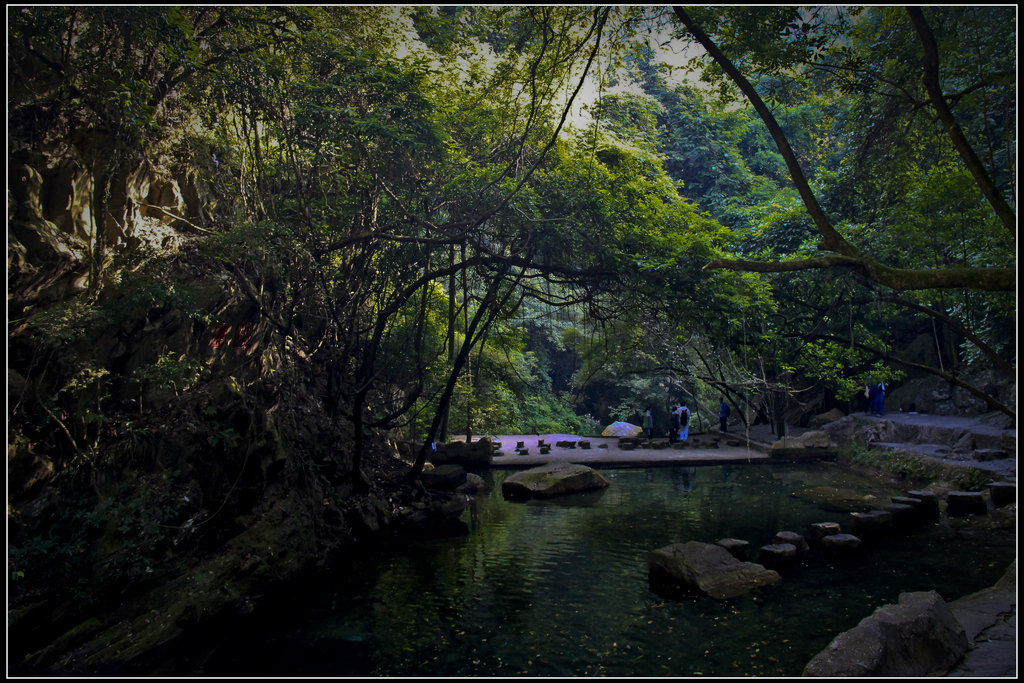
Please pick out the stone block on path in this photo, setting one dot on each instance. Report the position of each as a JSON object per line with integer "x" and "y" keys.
{"x": 1002, "y": 493}
{"x": 962, "y": 503}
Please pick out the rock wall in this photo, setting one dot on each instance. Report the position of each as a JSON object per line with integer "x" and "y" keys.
{"x": 51, "y": 225}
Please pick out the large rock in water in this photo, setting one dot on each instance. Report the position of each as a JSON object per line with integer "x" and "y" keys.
{"x": 552, "y": 480}
{"x": 920, "y": 636}
{"x": 709, "y": 568}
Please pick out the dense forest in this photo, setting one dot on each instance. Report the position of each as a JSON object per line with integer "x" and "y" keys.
{"x": 251, "y": 249}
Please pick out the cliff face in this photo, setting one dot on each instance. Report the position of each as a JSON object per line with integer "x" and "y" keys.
{"x": 166, "y": 469}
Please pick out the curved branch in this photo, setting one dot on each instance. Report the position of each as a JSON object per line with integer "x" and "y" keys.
{"x": 963, "y": 147}
{"x": 902, "y": 279}
{"x": 847, "y": 255}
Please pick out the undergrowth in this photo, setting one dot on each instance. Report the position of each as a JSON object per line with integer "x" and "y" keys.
{"x": 915, "y": 470}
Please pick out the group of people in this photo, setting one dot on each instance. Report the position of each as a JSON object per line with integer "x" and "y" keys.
{"x": 679, "y": 422}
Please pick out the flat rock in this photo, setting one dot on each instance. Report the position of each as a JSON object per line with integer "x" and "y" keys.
{"x": 709, "y": 568}
{"x": 556, "y": 479}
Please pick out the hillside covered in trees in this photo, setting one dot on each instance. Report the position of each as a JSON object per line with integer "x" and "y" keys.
{"x": 252, "y": 248}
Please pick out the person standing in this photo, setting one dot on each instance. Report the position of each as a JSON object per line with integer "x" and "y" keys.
{"x": 878, "y": 405}
{"x": 684, "y": 421}
{"x": 723, "y": 416}
{"x": 649, "y": 424}
{"x": 673, "y": 420}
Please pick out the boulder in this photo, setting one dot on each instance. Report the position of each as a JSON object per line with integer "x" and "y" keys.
{"x": 552, "y": 480}
{"x": 444, "y": 477}
{"x": 474, "y": 484}
{"x": 919, "y": 636}
{"x": 709, "y": 568}
{"x": 622, "y": 429}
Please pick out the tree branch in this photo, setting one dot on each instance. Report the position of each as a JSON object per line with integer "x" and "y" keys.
{"x": 902, "y": 279}
{"x": 846, "y": 255}
{"x": 963, "y": 147}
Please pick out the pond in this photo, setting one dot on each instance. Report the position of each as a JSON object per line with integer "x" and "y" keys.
{"x": 560, "y": 588}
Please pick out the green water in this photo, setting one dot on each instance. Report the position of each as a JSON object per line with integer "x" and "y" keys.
{"x": 561, "y": 588}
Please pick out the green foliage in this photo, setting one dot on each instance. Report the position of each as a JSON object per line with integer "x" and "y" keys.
{"x": 917, "y": 471}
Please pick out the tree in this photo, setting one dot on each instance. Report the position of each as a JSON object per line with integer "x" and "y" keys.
{"x": 842, "y": 253}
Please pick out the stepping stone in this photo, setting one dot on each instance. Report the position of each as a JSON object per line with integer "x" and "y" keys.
{"x": 737, "y": 548}
{"x": 819, "y": 530}
{"x": 929, "y": 507}
{"x": 872, "y": 523}
{"x": 903, "y": 515}
{"x": 923, "y": 511}
{"x": 792, "y": 538}
{"x": 962, "y": 503}
{"x": 986, "y": 454}
{"x": 841, "y": 544}
{"x": 1002, "y": 493}
{"x": 777, "y": 554}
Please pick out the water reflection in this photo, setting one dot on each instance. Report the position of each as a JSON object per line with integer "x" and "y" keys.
{"x": 560, "y": 587}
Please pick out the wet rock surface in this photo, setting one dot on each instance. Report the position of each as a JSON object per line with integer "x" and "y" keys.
{"x": 709, "y": 568}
